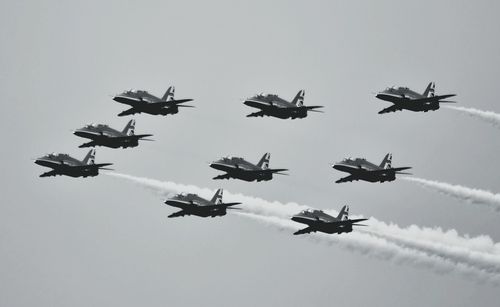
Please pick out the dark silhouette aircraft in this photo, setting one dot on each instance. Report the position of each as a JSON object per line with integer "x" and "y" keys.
{"x": 360, "y": 169}
{"x": 103, "y": 135}
{"x": 63, "y": 164}
{"x": 405, "y": 99}
{"x": 192, "y": 204}
{"x": 239, "y": 168}
{"x": 144, "y": 102}
{"x": 317, "y": 220}
{"x": 272, "y": 105}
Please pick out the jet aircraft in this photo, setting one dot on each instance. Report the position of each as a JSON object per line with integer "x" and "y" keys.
{"x": 239, "y": 168}
{"x": 360, "y": 169}
{"x": 103, "y": 135}
{"x": 317, "y": 220}
{"x": 144, "y": 102}
{"x": 63, "y": 164}
{"x": 272, "y": 105}
{"x": 405, "y": 99}
{"x": 192, "y": 204}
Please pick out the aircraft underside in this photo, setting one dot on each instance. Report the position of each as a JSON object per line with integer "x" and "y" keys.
{"x": 200, "y": 213}
{"x": 246, "y": 176}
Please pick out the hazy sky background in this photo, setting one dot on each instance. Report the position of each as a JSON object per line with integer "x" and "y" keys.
{"x": 106, "y": 242}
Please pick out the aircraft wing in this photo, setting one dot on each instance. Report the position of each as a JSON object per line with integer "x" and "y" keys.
{"x": 389, "y": 170}
{"x": 220, "y": 205}
{"x": 170, "y": 103}
{"x": 392, "y": 108}
{"x": 346, "y": 179}
{"x": 92, "y": 166}
{"x": 134, "y": 136}
{"x": 128, "y": 112}
{"x": 177, "y": 214}
{"x": 433, "y": 98}
{"x": 48, "y": 174}
{"x": 353, "y": 221}
{"x": 269, "y": 170}
{"x": 260, "y": 113}
{"x": 304, "y": 231}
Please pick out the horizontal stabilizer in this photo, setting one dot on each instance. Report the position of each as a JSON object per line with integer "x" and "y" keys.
{"x": 278, "y": 170}
{"x": 397, "y": 169}
{"x": 100, "y": 165}
{"x": 229, "y": 204}
{"x": 403, "y": 173}
{"x": 142, "y": 136}
{"x": 180, "y": 101}
{"x": 356, "y": 220}
{"x": 313, "y": 108}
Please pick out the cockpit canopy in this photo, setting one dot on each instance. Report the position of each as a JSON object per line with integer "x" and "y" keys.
{"x": 134, "y": 91}
{"x": 231, "y": 158}
{"x": 94, "y": 125}
{"x": 310, "y": 211}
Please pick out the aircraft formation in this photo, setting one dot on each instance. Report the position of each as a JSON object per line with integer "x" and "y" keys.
{"x": 140, "y": 101}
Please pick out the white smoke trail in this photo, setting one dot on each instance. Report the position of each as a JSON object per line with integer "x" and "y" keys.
{"x": 381, "y": 248}
{"x": 487, "y": 116}
{"x": 475, "y": 196}
{"x": 479, "y": 253}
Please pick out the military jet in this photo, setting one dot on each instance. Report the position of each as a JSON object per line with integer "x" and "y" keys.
{"x": 103, "y": 135}
{"x": 317, "y": 220}
{"x": 272, "y": 105}
{"x": 192, "y": 204}
{"x": 360, "y": 169}
{"x": 239, "y": 168}
{"x": 405, "y": 99}
{"x": 63, "y": 164}
{"x": 144, "y": 102}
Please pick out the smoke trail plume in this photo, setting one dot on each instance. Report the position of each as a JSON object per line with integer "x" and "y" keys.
{"x": 384, "y": 249}
{"x": 474, "y": 196}
{"x": 487, "y": 116}
{"x": 478, "y": 256}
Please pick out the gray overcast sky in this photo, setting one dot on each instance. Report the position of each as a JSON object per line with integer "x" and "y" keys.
{"x": 104, "y": 241}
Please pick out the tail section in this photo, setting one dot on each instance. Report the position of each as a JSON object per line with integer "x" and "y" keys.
{"x": 299, "y": 98}
{"x": 264, "y": 161}
{"x": 217, "y": 199}
{"x": 129, "y": 128}
{"x": 169, "y": 94}
{"x": 344, "y": 213}
{"x": 429, "y": 91}
{"x": 90, "y": 157}
{"x": 387, "y": 162}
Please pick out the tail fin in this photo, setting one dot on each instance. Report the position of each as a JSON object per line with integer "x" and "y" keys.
{"x": 217, "y": 199}
{"x": 169, "y": 94}
{"x": 387, "y": 162}
{"x": 429, "y": 91}
{"x": 299, "y": 98}
{"x": 90, "y": 157}
{"x": 129, "y": 128}
{"x": 344, "y": 213}
{"x": 264, "y": 161}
